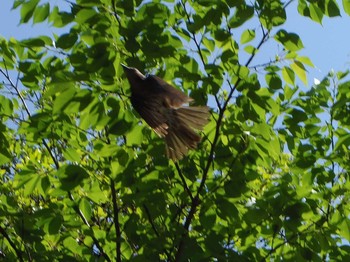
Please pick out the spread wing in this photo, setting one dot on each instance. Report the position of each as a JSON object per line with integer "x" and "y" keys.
{"x": 152, "y": 111}
{"x": 171, "y": 96}
{"x": 154, "y": 101}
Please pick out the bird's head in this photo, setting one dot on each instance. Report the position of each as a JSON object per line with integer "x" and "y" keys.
{"x": 133, "y": 74}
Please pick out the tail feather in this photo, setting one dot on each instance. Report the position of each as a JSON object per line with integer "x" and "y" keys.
{"x": 174, "y": 147}
{"x": 181, "y": 135}
{"x": 193, "y": 118}
{"x": 179, "y": 141}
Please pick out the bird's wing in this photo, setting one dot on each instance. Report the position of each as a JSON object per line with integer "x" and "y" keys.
{"x": 173, "y": 97}
{"x": 151, "y": 111}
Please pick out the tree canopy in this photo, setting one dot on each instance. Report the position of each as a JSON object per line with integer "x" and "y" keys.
{"x": 84, "y": 179}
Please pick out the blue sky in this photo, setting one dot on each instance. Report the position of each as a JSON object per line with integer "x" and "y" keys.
{"x": 327, "y": 45}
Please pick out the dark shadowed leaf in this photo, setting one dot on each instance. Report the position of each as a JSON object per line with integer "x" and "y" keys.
{"x": 71, "y": 176}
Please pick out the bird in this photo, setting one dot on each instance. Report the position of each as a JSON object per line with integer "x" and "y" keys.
{"x": 167, "y": 111}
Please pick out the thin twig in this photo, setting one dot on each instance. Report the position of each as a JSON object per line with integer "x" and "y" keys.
{"x": 116, "y": 221}
{"x": 28, "y": 113}
{"x": 86, "y": 222}
{"x": 183, "y": 181}
{"x": 7, "y": 237}
{"x": 150, "y": 220}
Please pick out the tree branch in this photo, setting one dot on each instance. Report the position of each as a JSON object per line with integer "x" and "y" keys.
{"x": 6, "y": 75}
{"x": 83, "y": 218}
{"x": 56, "y": 163}
{"x": 196, "y": 199}
{"x": 183, "y": 181}
{"x": 7, "y": 237}
{"x": 150, "y": 220}
{"x": 116, "y": 221}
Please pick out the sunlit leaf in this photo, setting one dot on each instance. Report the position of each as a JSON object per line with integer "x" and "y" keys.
{"x": 288, "y": 75}
{"x": 344, "y": 229}
{"x": 27, "y": 10}
{"x": 300, "y": 71}
{"x": 290, "y": 41}
{"x": 83, "y": 177}
{"x": 41, "y": 13}
{"x": 316, "y": 13}
{"x": 247, "y": 36}
{"x": 346, "y": 5}
{"x": 85, "y": 207}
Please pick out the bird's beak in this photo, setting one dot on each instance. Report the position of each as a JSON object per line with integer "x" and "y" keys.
{"x": 125, "y": 67}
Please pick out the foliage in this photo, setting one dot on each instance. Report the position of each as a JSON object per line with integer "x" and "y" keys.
{"x": 83, "y": 180}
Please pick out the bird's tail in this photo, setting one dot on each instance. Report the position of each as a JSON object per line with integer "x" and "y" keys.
{"x": 181, "y": 135}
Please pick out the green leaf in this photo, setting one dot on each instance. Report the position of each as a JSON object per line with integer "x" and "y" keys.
{"x": 206, "y": 2}
{"x": 316, "y": 13}
{"x": 6, "y": 106}
{"x": 298, "y": 115}
{"x": 85, "y": 208}
{"x": 250, "y": 49}
{"x": 207, "y": 218}
{"x": 135, "y": 136}
{"x": 41, "y": 13}
{"x": 60, "y": 19}
{"x": 72, "y": 155}
{"x": 71, "y": 176}
{"x": 343, "y": 141}
{"x": 27, "y": 10}
{"x": 247, "y": 36}
{"x": 303, "y": 8}
{"x": 305, "y": 60}
{"x": 32, "y": 184}
{"x": 106, "y": 150}
{"x": 63, "y": 99}
{"x": 241, "y": 71}
{"x": 96, "y": 194}
{"x": 344, "y": 229}
{"x": 242, "y": 14}
{"x": 346, "y": 6}
{"x": 300, "y": 71}
{"x": 91, "y": 116}
{"x": 226, "y": 209}
{"x": 72, "y": 245}
{"x": 39, "y": 41}
{"x": 273, "y": 81}
{"x": 209, "y": 43}
{"x": 332, "y": 8}
{"x": 234, "y": 189}
{"x": 85, "y": 14}
{"x": 54, "y": 225}
{"x": 66, "y": 41}
{"x": 5, "y": 156}
{"x": 288, "y": 75}
{"x": 290, "y": 41}
{"x": 289, "y": 92}
{"x": 272, "y": 14}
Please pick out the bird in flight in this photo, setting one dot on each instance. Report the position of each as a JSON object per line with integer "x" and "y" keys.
{"x": 165, "y": 109}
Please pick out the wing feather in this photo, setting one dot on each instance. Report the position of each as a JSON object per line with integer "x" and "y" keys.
{"x": 151, "y": 111}
{"x": 171, "y": 96}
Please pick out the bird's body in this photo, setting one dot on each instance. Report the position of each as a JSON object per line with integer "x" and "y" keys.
{"x": 165, "y": 110}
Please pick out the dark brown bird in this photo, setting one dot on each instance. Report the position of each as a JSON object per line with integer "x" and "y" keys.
{"x": 166, "y": 111}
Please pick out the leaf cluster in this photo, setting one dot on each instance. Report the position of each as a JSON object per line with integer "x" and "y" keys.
{"x": 83, "y": 179}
